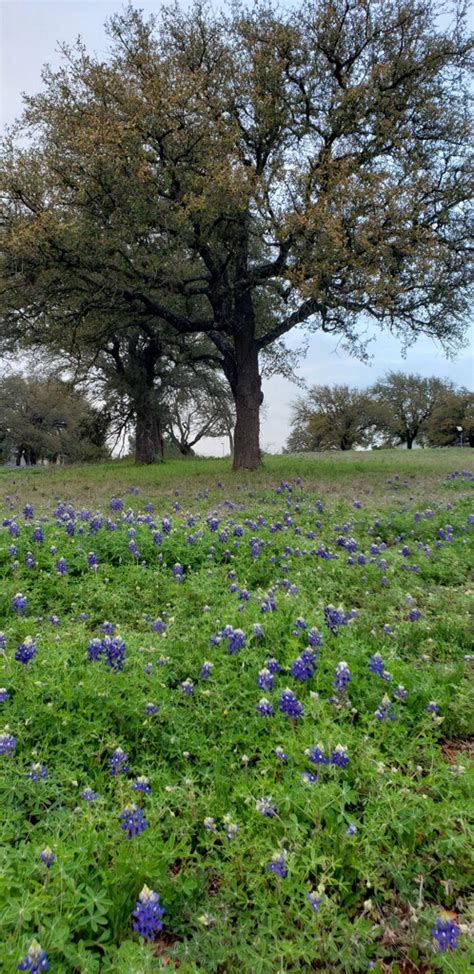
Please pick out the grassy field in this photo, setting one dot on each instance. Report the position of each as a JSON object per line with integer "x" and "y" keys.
{"x": 249, "y": 694}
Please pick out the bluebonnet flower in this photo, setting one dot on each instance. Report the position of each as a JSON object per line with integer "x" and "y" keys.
{"x": 162, "y": 660}
{"x": 187, "y": 687}
{"x": 231, "y": 828}
{"x": 210, "y": 824}
{"x": 147, "y": 914}
{"x": 12, "y": 550}
{"x": 150, "y": 709}
{"x": 273, "y": 665}
{"x": 36, "y": 772}
{"x": 166, "y": 525}
{"x": 116, "y": 504}
{"x": 235, "y": 641}
{"x": 308, "y": 778}
{"x": 376, "y": 664}
{"x": 54, "y": 620}
{"x": 289, "y": 705}
{"x": 95, "y": 649}
{"x": 26, "y": 651}
{"x": 158, "y": 625}
{"x": 339, "y": 756}
{"x": 29, "y": 560}
{"x": 265, "y": 679}
{"x": 178, "y": 572}
{"x": 3, "y": 640}
{"x": 264, "y": 707}
{"x": 37, "y": 534}
{"x": 13, "y": 529}
{"x": 446, "y": 933}
{"x": 92, "y": 560}
{"x": 89, "y": 795}
{"x": 314, "y": 637}
{"x": 334, "y": 618}
{"x": 114, "y": 649}
{"x": 400, "y": 693}
{"x": 35, "y": 960}
{"x": 19, "y": 603}
{"x": 257, "y": 630}
{"x": 414, "y": 614}
{"x": 278, "y": 864}
{"x": 281, "y": 754}
{"x": 4, "y": 695}
{"x": 142, "y": 784}
{"x": 387, "y": 629}
{"x": 316, "y": 754}
{"x": 118, "y": 763}
{"x": 303, "y": 667}
{"x": 7, "y": 744}
{"x": 47, "y": 857}
{"x": 351, "y": 829}
{"x": 205, "y": 670}
{"x": 314, "y": 900}
{"x": 266, "y": 807}
{"x": 384, "y": 710}
{"x": 61, "y": 566}
{"x": 342, "y": 677}
{"x": 28, "y": 511}
{"x": 133, "y": 821}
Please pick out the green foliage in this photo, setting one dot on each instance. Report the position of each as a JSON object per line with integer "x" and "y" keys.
{"x": 42, "y": 419}
{"x": 408, "y": 784}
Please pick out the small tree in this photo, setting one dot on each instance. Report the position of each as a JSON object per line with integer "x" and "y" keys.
{"x": 452, "y": 420}
{"x": 46, "y": 419}
{"x": 201, "y": 406}
{"x": 403, "y": 405}
{"x": 330, "y": 417}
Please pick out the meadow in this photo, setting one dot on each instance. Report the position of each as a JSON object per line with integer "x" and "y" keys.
{"x": 237, "y": 716}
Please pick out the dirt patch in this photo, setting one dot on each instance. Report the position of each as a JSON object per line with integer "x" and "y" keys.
{"x": 458, "y": 749}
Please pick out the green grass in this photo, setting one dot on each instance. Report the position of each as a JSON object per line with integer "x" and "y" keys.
{"x": 408, "y": 784}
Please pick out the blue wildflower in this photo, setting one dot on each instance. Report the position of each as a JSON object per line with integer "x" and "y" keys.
{"x": 118, "y": 763}
{"x": 264, "y": 707}
{"x": 7, "y": 744}
{"x": 89, "y": 795}
{"x": 278, "y": 864}
{"x": 446, "y": 933}
{"x": 281, "y": 754}
{"x": 265, "y": 679}
{"x": 133, "y": 821}
{"x": 342, "y": 677}
{"x": 187, "y": 687}
{"x": 339, "y": 756}
{"x": 26, "y": 651}
{"x": 19, "y": 603}
{"x": 142, "y": 784}
{"x": 147, "y": 914}
{"x": 266, "y": 807}
{"x": 314, "y": 900}
{"x": 47, "y": 857}
{"x": 35, "y": 960}
{"x": 289, "y": 705}
{"x": 36, "y": 772}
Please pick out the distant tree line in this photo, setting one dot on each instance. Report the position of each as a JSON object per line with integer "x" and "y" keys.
{"x": 400, "y": 409}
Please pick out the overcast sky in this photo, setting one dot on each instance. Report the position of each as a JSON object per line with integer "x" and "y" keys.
{"x": 31, "y": 31}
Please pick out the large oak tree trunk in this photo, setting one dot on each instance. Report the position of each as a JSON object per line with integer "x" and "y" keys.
{"x": 247, "y": 391}
{"x": 149, "y": 437}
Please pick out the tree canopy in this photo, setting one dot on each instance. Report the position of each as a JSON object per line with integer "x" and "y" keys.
{"x": 237, "y": 175}
{"x": 45, "y": 419}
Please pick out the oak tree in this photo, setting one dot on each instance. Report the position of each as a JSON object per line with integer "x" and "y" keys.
{"x": 238, "y": 175}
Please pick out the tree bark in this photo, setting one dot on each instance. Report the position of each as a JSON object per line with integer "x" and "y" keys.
{"x": 246, "y": 385}
{"x": 149, "y": 437}
{"x": 410, "y": 442}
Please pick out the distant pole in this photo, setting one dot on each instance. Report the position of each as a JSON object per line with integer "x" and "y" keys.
{"x": 460, "y": 430}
